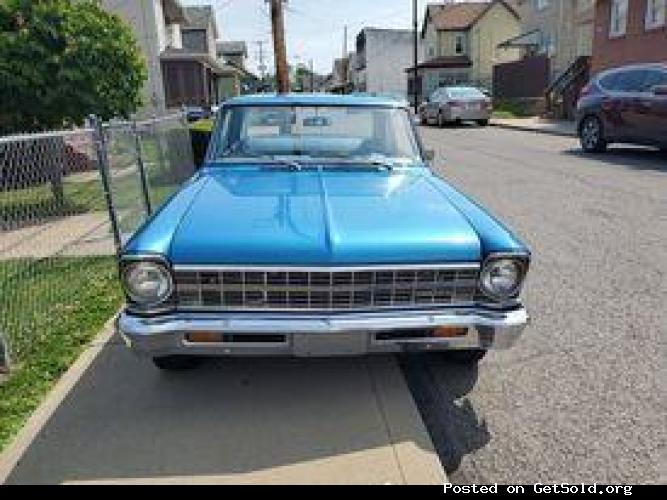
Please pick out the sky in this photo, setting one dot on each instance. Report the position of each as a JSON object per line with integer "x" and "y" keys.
{"x": 314, "y": 28}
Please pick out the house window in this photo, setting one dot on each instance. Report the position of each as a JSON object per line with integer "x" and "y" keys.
{"x": 541, "y": 4}
{"x": 460, "y": 45}
{"x": 195, "y": 40}
{"x": 655, "y": 13}
{"x": 619, "y": 18}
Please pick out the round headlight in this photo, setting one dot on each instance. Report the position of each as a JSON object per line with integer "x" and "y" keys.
{"x": 147, "y": 283}
{"x": 502, "y": 278}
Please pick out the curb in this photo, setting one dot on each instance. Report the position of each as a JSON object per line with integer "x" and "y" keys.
{"x": 414, "y": 450}
{"x": 524, "y": 128}
{"x": 12, "y": 455}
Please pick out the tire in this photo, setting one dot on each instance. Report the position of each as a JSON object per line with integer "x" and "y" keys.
{"x": 591, "y": 135}
{"x": 441, "y": 121}
{"x": 483, "y": 123}
{"x": 176, "y": 363}
{"x": 467, "y": 357}
{"x": 423, "y": 120}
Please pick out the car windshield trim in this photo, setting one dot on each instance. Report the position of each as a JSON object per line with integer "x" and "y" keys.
{"x": 383, "y": 136}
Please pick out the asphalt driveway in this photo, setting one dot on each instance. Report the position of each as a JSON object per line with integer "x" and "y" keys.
{"x": 582, "y": 397}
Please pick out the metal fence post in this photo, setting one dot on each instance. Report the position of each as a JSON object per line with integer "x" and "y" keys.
{"x": 158, "y": 143}
{"x": 142, "y": 170}
{"x": 103, "y": 165}
{"x": 4, "y": 354}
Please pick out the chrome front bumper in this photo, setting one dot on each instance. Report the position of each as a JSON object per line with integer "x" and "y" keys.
{"x": 343, "y": 334}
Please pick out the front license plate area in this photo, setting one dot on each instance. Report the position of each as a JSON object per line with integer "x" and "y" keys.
{"x": 330, "y": 344}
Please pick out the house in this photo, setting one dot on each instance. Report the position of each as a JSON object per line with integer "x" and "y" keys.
{"x": 234, "y": 79}
{"x": 459, "y": 43}
{"x": 560, "y": 29}
{"x": 340, "y": 83}
{"x": 234, "y": 53}
{"x": 191, "y": 72}
{"x": 556, "y": 43}
{"x": 629, "y": 31}
{"x": 157, "y": 27}
{"x": 378, "y": 64}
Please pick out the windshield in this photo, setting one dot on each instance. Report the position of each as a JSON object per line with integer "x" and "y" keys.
{"x": 303, "y": 133}
{"x": 465, "y": 93}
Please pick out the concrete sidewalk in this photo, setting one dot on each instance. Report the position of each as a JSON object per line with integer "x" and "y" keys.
{"x": 536, "y": 124}
{"x": 253, "y": 421}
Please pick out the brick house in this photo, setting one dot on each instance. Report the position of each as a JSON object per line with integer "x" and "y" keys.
{"x": 629, "y": 31}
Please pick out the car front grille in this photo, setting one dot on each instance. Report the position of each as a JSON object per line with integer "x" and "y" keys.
{"x": 324, "y": 289}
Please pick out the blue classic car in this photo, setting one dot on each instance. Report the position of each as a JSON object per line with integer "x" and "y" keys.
{"x": 317, "y": 228}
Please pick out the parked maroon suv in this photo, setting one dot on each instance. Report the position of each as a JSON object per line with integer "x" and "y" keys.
{"x": 626, "y": 104}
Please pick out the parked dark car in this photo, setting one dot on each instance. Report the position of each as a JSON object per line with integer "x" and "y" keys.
{"x": 626, "y": 104}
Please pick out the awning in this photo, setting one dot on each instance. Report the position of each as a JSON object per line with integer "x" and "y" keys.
{"x": 530, "y": 39}
{"x": 443, "y": 62}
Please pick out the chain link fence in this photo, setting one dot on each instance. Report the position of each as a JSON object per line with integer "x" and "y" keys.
{"x": 68, "y": 201}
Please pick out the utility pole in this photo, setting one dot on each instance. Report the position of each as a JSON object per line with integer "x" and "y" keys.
{"x": 262, "y": 66}
{"x": 312, "y": 77}
{"x": 279, "y": 48}
{"x": 346, "y": 60}
{"x": 415, "y": 27}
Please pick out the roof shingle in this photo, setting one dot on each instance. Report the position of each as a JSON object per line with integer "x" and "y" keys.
{"x": 460, "y": 16}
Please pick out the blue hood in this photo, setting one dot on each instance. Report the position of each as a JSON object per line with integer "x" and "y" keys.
{"x": 311, "y": 217}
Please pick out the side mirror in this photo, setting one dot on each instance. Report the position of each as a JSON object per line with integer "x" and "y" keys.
{"x": 429, "y": 155}
{"x": 660, "y": 90}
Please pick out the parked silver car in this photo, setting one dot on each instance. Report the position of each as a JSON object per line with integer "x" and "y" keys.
{"x": 456, "y": 104}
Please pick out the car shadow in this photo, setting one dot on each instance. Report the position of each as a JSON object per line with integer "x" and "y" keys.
{"x": 457, "y": 125}
{"x": 637, "y": 158}
{"x": 440, "y": 389}
{"x": 229, "y": 420}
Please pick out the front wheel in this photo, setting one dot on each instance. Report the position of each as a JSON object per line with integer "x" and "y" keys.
{"x": 176, "y": 363}
{"x": 466, "y": 357}
{"x": 483, "y": 123}
{"x": 591, "y": 135}
{"x": 441, "y": 120}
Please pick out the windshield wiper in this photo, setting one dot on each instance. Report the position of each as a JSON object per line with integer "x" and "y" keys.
{"x": 290, "y": 163}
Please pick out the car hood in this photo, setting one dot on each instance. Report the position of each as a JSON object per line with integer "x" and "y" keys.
{"x": 321, "y": 217}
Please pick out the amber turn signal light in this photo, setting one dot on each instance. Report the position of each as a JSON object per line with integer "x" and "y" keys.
{"x": 205, "y": 337}
{"x": 445, "y": 332}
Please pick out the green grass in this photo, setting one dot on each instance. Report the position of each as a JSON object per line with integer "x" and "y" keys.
{"x": 507, "y": 109}
{"x": 39, "y": 202}
{"x": 49, "y": 310}
{"x": 202, "y": 126}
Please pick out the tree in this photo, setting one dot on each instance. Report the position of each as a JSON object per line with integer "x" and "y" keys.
{"x": 62, "y": 60}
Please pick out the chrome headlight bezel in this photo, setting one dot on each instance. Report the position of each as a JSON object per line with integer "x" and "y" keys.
{"x": 156, "y": 264}
{"x": 521, "y": 261}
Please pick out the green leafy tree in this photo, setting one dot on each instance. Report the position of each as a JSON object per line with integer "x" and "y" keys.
{"x": 62, "y": 60}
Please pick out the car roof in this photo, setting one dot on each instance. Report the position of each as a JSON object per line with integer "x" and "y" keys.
{"x": 629, "y": 67}
{"x": 313, "y": 100}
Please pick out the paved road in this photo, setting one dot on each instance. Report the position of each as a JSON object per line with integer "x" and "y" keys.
{"x": 582, "y": 398}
